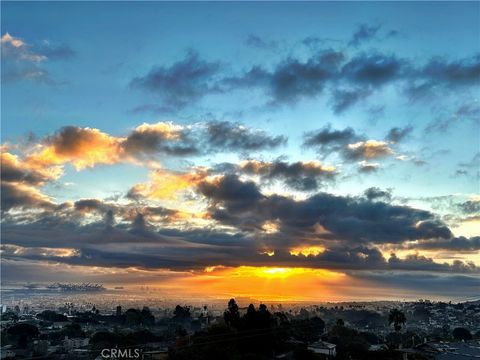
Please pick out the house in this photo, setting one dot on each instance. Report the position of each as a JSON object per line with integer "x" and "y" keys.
{"x": 74, "y": 343}
{"x": 325, "y": 348}
{"x": 7, "y": 352}
{"x": 443, "y": 351}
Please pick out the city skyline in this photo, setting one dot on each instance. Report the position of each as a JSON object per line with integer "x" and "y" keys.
{"x": 281, "y": 151}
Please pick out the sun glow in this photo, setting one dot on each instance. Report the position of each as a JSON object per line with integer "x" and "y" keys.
{"x": 307, "y": 251}
{"x": 267, "y": 283}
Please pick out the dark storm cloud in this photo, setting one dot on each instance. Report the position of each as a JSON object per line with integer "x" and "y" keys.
{"x": 374, "y": 69}
{"x": 465, "y": 71}
{"x": 328, "y": 140}
{"x": 348, "y": 80}
{"x": 233, "y": 251}
{"x": 19, "y": 196}
{"x": 375, "y": 193}
{"x": 14, "y": 171}
{"x": 292, "y": 79}
{"x": 151, "y": 140}
{"x": 349, "y": 219}
{"x": 303, "y": 176}
{"x": 455, "y": 244}
{"x": 234, "y": 136}
{"x": 418, "y": 262}
{"x": 238, "y": 195}
{"x": 363, "y": 33}
{"x": 181, "y": 83}
{"x": 397, "y": 134}
{"x": 89, "y": 205}
{"x": 352, "y": 226}
{"x": 423, "y": 283}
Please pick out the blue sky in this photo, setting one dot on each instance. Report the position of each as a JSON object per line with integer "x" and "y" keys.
{"x": 278, "y": 73}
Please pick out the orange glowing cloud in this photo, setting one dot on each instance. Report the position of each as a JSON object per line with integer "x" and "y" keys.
{"x": 370, "y": 149}
{"x": 15, "y": 169}
{"x": 82, "y": 147}
{"x": 166, "y": 185}
{"x": 88, "y": 147}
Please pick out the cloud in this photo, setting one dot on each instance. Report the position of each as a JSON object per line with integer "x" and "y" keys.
{"x": 16, "y": 49}
{"x": 470, "y": 206}
{"x": 19, "y": 182}
{"x": 347, "y": 80}
{"x": 356, "y": 220}
{"x": 461, "y": 72}
{"x": 368, "y": 167}
{"x": 166, "y": 185}
{"x": 292, "y": 79}
{"x": 422, "y": 284}
{"x": 181, "y": 83}
{"x": 56, "y": 52}
{"x": 374, "y": 69}
{"x": 347, "y": 229}
{"x": 83, "y": 147}
{"x": 303, "y": 176}
{"x": 20, "y": 196}
{"x": 348, "y": 144}
{"x": 16, "y": 170}
{"x": 23, "y": 61}
{"x": 259, "y": 43}
{"x": 397, "y": 134}
{"x": 162, "y": 137}
{"x": 469, "y": 111}
{"x": 369, "y": 149}
{"x": 375, "y": 193}
{"x": 455, "y": 244}
{"x": 344, "y": 99}
{"x": 363, "y": 33}
{"x": 232, "y": 192}
{"x": 89, "y": 147}
{"x": 224, "y": 135}
{"x": 327, "y": 140}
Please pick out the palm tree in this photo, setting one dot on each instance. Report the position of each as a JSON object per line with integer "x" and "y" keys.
{"x": 397, "y": 318}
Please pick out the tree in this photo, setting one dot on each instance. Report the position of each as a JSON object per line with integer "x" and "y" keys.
{"x": 397, "y": 318}
{"x": 232, "y": 315}
{"x": 461, "y": 334}
{"x": 73, "y": 330}
{"x": 148, "y": 318}
{"x": 181, "y": 313}
{"x": 49, "y": 315}
{"x": 133, "y": 317}
{"x": 22, "y": 334}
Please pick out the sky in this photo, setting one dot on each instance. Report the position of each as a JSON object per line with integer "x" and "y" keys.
{"x": 284, "y": 151}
